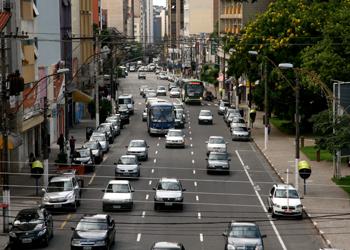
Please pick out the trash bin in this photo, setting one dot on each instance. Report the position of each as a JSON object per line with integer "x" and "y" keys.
{"x": 89, "y": 131}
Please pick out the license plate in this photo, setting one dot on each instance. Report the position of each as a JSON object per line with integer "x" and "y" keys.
{"x": 168, "y": 203}
{"x": 87, "y": 248}
{"x": 57, "y": 205}
{"x": 26, "y": 240}
{"x": 116, "y": 206}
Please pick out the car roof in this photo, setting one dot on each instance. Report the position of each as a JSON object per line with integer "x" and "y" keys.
{"x": 128, "y": 156}
{"x": 216, "y": 136}
{"x": 205, "y": 110}
{"x": 283, "y": 186}
{"x": 61, "y": 178}
{"x": 118, "y": 182}
{"x": 168, "y": 179}
{"x": 243, "y": 223}
{"x": 96, "y": 216}
{"x": 125, "y": 96}
{"x": 166, "y": 244}
{"x": 138, "y": 140}
{"x": 218, "y": 153}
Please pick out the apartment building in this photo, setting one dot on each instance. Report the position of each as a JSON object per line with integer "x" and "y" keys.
{"x": 117, "y": 14}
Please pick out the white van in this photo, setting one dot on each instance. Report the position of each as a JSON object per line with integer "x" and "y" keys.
{"x": 128, "y": 100}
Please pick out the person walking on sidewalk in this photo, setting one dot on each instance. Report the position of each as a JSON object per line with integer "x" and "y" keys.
{"x": 60, "y": 142}
{"x": 31, "y": 160}
{"x": 72, "y": 145}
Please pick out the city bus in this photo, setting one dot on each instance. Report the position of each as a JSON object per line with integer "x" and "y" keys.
{"x": 192, "y": 91}
{"x": 160, "y": 117}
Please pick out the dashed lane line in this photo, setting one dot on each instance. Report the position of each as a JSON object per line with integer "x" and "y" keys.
{"x": 143, "y": 214}
{"x": 201, "y": 239}
{"x": 92, "y": 178}
{"x": 197, "y": 198}
{"x": 69, "y": 216}
{"x": 192, "y": 153}
{"x": 199, "y": 216}
{"x": 195, "y": 184}
{"x": 192, "y": 161}
{"x": 191, "y": 145}
{"x": 152, "y": 171}
{"x": 194, "y": 171}
{"x": 157, "y": 144}
{"x": 156, "y": 152}
{"x": 155, "y": 160}
{"x": 147, "y": 196}
{"x": 150, "y": 182}
{"x": 138, "y": 237}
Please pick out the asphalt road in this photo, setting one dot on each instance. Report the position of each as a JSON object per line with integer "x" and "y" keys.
{"x": 211, "y": 201}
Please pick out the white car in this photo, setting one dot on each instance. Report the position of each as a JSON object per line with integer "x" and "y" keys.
{"x": 161, "y": 90}
{"x": 169, "y": 193}
{"x": 175, "y": 138}
{"x": 205, "y": 116}
{"x": 284, "y": 200}
{"x": 237, "y": 122}
{"x": 118, "y": 195}
{"x": 240, "y": 134}
{"x": 138, "y": 148}
{"x": 174, "y": 93}
{"x": 216, "y": 144}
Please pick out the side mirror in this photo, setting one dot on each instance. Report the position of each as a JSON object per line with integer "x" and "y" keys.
{"x": 224, "y": 234}
{"x": 43, "y": 190}
{"x": 72, "y": 228}
{"x": 147, "y": 146}
{"x": 206, "y": 158}
{"x": 139, "y": 163}
{"x": 102, "y": 190}
{"x": 263, "y": 236}
{"x": 10, "y": 223}
{"x": 132, "y": 189}
{"x": 206, "y": 142}
{"x": 229, "y": 159}
{"x": 154, "y": 188}
{"x": 126, "y": 146}
{"x": 184, "y": 189}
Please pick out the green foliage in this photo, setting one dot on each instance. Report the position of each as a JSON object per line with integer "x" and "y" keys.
{"x": 284, "y": 126}
{"x": 210, "y": 73}
{"x": 344, "y": 183}
{"x": 310, "y": 152}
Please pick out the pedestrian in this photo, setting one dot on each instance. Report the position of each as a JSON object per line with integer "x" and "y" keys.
{"x": 37, "y": 168}
{"x": 72, "y": 145}
{"x": 31, "y": 159}
{"x": 60, "y": 142}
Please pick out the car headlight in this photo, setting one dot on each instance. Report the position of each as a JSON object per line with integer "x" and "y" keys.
{"x": 157, "y": 198}
{"x": 178, "y": 199}
{"x": 299, "y": 206}
{"x": 75, "y": 242}
{"x": 39, "y": 227}
{"x": 42, "y": 232}
{"x": 45, "y": 198}
{"x": 259, "y": 247}
{"x": 70, "y": 196}
{"x": 100, "y": 243}
{"x": 231, "y": 247}
{"x": 12, "y": 234}
{"x": 276, "y": 205}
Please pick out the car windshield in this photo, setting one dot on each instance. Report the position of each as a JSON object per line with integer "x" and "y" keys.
{"x": 151, "y": 94}
{"x": 166, "y": 185}
{"x": 161, "y": 88}
{"x": 282, "y": 193}
{"x": 175, "y": 90}
{"x": 124, "y": 101}
{"x": 137, "y": 144}
{"x": 238, "y": 120}
{"x": 127, "y": 160}
{"x": 162, "y": 114}
{"x": 218, "y": 157}
{"x": 205, "y": 113}
{"x": 97, "y": 138}
{"x": 103, "y": 128}
{"x": 216, "y": 140}
{"x": 175, "y": 133}
{"x": 91, "y": 145}
{"x": 91, "y": 224}
{"x": 244, "y": 232}
{"x": 60, "y": 186}
{"x": 194, "y": 88}
{"x": 83, "y": 153}
{"x": 240, "y": 129}
{"x": 118, "y": 188}
{"x": 27, "y": 217}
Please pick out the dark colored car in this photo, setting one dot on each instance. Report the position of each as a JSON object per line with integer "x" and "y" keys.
{"x": 94, "y": 232}
{"x": 84, "y": 156}
{"x": 124, "y": 115}
{"x": 31, "y": 226}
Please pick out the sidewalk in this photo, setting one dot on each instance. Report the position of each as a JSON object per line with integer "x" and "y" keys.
{"x": 22, "y": 186}
{"x": 323, "y": 196}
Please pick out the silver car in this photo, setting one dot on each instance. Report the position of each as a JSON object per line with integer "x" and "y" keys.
{"x": 169, "y": 193}
{"x": 222, "y": 106}
{"x": 118, "y": 195}
{"x": 161, "y": 90}
{"x": 175, "y": 138}
{"x": 243, "y": 235}
{"x": 96, "y": 150}
{"x": 218, "y": 162}
{"x": 165, "y": 245}
{"x": 102, "y": 139}
{"x": 138, "y": 148}
{"x": 115, "y": 123}
{"x": 174, "y": 93}
{"x": 63, "y": 192}
{"x": 216, "y": 144}
{"x": 240, "y": 134}
{"x": 205, "y": 116}
{"x": 237, "y": 122}
{"x": 127, "y": 166}
{"x": 107, "y": 128}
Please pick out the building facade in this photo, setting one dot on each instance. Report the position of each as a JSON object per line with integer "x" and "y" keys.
{"x": 117, "y": 14}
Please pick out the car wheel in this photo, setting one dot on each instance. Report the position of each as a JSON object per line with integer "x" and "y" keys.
{"x": 45, "y": 242}
{"x": 181, "y": 207}
{"x": 156, "y": 206}
{"x": 104, "y": 208}
{"x": 146, "y": 158}
{"x": 300, "y": 217}
{"x": 74, "y": 206}
{"x": 273, "y": 215}
{"x": 269, "y": 209}
{"x": 208, "y": 171}
{"x": 166, "y": 146}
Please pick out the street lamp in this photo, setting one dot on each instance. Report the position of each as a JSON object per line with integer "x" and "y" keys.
{"x": 297, "y": 130}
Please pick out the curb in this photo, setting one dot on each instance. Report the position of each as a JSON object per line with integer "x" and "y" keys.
{"x": 314, "y": 223}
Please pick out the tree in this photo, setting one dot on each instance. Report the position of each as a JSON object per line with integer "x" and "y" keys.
{"x": 210, "y": 73}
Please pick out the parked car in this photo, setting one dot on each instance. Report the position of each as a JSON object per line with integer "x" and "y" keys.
{"x": 161, "y": 91}
{"x": 172, "y": 85}
{"x": 141, "y": 75}
{"x": 240, "y": 134}
{"x": 138, "y": 148}
{"x": 175, "y": 138}
{"x": 237, "y": 122}
{"x": 165, "y": 245}
{"x": 231, "y": 116}
{"x": 174, "y": 93}
{"x": 106, "y": 128}
{"x": 216, "y": 144}
{"x": 102, "y": 139}
{"x": 127, "y": 166}
{"x": 222, "y": 105}
{"x": 284, "y": 200}
{"x": 115, "y": 124}
{"x": 124, "y": 115}
{"x": 162, "y": 76}
{"x": 243, "y": 235}
{"x": 94, "y": 232}
{"x": 205, "y": 116}
{"x": 63, "y": 192}
{"x": 218, "y": 162}
{"x": 96, "y": 150}
{"x": 118, "y": 195}
{"x": 169, "y": 193}
{"x": 31, "y": 226}
{"x": 83, "y": 156}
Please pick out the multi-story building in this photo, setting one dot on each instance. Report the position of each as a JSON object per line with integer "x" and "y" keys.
{"x": 175, "y": 21}
{"x": 158, "y": 25}
{"x": 117, "y": 14}
{"x": 194, "y": 11}
{"x": 137, "y": 20}
{"x": 147, "y": 22}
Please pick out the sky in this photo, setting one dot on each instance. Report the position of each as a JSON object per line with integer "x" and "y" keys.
{"x": 159, "y": 2}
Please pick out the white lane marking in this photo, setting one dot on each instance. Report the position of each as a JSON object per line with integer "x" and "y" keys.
{"x": 192, "y": 152}
{"x": 155, "y": 160}
{"x": 138, "y": 237}
{"x": 189, "y": 132}
{"x": 201, "y": 237}
{"x": 152, "y": 171}
{"x": 192, "y": 161}
{"x": 209, "y": 104}
{"x": 156, "y": 152}
{"x": 190, "y": 138}
{"x": 157, "y": 144}
{"x": 189, "y": 127}
{"x": 191, "y": 145}
{"x": 197, "y": 198}
{"x": 143, "y": 214}
{"x": 262, "y": 203}
{"x": 189, "y": 122}
{"x": 147, "y": 196}
{"x": 150, "y": 182}
{"x": 92, "y": 178}
{"x": 195, "y": 184}
{"x": 199, "y": 216}
{"x": 158, "y": 138}
{"x": 140, "y": 103}
{"x": 194, "y": 171}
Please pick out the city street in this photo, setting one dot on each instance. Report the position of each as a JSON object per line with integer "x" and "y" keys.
{"x": 211, "y": 201}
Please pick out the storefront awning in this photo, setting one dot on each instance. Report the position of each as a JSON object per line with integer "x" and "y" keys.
{"x": 79, "y": 96}
{"x": 4, "y": 18}
{"x": 14, "y": 141}
{"x": 32, "y": 122}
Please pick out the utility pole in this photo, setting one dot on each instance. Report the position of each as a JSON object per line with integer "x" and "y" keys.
{"x": 97, "y": 91}
{"x": 297, "y": 132}
{"x": 132, "y": 18}
{"x": 46, "y": 145}
{"x": 266, "y": 105}
{"x": 112, "y": 83}
{"x": 5, "y": 157}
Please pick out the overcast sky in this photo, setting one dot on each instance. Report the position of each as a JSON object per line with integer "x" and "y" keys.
{"x": 159, "y": 2}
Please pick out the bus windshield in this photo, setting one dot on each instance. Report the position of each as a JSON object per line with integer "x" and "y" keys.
{"x": 162, "y": 114}
{"x": 195, "y": 89}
